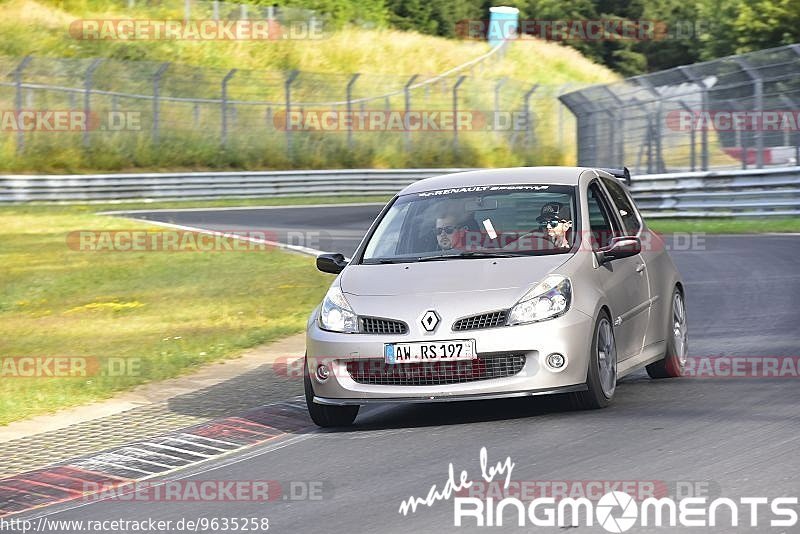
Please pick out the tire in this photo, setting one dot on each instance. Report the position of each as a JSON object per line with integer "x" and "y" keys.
{"x": 323, "y": 415}
{"x": 601, "y": 377}
{"x": 674, "y": 360}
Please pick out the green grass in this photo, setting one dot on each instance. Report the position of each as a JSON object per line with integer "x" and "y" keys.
{"x": 173, "y": 311}
{"x": 720, "y": 225}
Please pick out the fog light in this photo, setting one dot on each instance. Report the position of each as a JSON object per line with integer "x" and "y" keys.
{"x": 323, "y": 372}
{"x": 556, "y": 361}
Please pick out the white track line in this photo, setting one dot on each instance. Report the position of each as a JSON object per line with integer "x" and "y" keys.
{"x": 293, "y": 248}
{"x": 233, "y": 460}
{"x": 200, "y": 455}
{"x": 235, "y": 208}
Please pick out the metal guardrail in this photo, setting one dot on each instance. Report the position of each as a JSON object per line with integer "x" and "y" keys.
{"x": 763, "y": 192}
{"x": 208, "y": 185}
{"x": 740, "y": 193}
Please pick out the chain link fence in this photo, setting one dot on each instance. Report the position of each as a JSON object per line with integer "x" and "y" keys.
{"x": 172, "y": 114}
{"x": 736, "y": 112}
{"x": 218, "y": 10}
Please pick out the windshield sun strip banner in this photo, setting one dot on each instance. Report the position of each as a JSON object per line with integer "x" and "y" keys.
{"x": 483, "y": 188}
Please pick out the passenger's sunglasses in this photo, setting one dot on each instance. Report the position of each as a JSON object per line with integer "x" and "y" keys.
{"x": 552, "y": 223}
{"x": 441, "y": 230}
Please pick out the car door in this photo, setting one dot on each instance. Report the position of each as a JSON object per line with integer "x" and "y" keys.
{"x": 624, "y": 281}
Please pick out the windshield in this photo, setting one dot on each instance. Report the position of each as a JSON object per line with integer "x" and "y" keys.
{"x": 475, "y": 222}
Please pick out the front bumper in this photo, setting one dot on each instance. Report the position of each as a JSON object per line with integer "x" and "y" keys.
{"x": 569, "y": 335}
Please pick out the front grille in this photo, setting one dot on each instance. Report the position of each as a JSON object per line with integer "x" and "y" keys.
{"x": 378, "y": 372}
{"x": 485, "y": 320}
{"x": 374, "y": 325}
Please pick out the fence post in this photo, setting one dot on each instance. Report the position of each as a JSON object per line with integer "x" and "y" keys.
{"x": 18, "y": 100}
{"x": 704, "y": 102}
{"x": 758, "y": 101}
{"x": 561, "y": 90}
{"x": 224, "y": 107}
{"x": 187, "y": 10}
{"x": 497, "y": 87}
{"x": 787, "y": 136}
{"x": 288, "y": 90}
{"x": 649, "y": 144}
{"x": 455, "y": 111}
{"x": 87, "y": 92}
{"x": 692, "y": 135}
{"x": 528, "y": 121}
{"x": 407, "y": 99}
{"x": 215, "y": 9}
{"x": 156, "y": 91}
{"x": 349, "y": 118}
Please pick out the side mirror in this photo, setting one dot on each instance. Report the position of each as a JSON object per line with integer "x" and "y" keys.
{"x": 331, "y": 263}
{"x": 620, "y": 247}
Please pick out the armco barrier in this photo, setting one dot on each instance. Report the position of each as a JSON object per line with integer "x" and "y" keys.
{"x": 761, "y": 192}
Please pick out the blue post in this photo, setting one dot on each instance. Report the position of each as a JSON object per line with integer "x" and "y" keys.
{"x": 503, "y": 25}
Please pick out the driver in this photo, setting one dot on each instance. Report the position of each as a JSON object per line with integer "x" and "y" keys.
{"x": 555, "y": 221}
{"x": 450, "y": 232}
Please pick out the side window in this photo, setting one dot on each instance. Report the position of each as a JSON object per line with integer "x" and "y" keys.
{"x": 626, "y": 210}
{"x": 602, "y": 224}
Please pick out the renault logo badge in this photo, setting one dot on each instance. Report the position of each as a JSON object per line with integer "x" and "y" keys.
{"x": 430, "y": 320}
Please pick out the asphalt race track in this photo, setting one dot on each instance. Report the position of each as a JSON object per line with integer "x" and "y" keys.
{"x": 731, "y": 437}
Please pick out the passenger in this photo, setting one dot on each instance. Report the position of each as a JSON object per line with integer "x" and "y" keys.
{"x": 556, "y": 221}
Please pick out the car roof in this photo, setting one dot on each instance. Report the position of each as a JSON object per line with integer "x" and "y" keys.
{"x": 516, "y": 175}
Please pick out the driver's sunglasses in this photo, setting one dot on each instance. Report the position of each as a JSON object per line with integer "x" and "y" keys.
{"x": 552, "y": 223}
{"x": 441, "y": 230}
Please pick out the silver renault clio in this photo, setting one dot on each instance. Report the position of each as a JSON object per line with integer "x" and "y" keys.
{"x": 496, "y": 283}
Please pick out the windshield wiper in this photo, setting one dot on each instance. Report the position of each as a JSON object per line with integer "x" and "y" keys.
{"x": 470, "y": 254}
{"x": 381, "y": 261}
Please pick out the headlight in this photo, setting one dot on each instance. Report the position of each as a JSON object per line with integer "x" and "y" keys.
{"x": 550, "y": 298}
{"x": 335, "y": 313}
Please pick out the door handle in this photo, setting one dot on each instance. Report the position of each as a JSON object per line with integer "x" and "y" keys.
{"x": 640, "y": 267}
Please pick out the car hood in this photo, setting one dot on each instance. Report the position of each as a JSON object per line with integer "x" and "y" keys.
{"x": 449, "y": 276}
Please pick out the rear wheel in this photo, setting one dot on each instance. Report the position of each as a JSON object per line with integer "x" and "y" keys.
{"x": 674, "y": 361}
{"x": 323, "y": 415}
{"x": 601, "y": 377}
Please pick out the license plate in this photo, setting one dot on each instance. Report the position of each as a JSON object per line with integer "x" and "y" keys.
{"x": 430, "y": 351}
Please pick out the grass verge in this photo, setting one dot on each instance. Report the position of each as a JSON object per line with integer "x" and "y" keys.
{"x": 139, "y": 316}
{"x": 720, "y": 225}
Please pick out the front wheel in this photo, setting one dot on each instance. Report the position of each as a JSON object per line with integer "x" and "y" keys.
{"x": 323, "y": 415}
{"x": 674, "y": 361}
{"x": 601, "y": 377}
